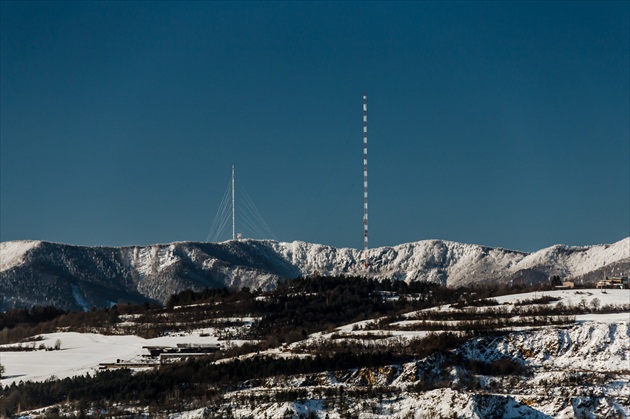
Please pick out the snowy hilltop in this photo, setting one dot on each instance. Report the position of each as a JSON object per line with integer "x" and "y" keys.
{"x": 75, "y": 277}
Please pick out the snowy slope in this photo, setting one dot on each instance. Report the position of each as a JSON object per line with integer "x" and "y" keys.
{"x": 576, "y": 261}
{"x": 13, "y": 253}
{"x": 74, "y": 277}
{"x": 590, "y": 346}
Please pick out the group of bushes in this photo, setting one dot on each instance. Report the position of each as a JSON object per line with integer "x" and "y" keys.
{"x": 32, "y": 346}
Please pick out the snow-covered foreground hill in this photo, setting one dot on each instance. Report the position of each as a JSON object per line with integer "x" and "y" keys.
{"x": 77, "y": 278}
{"x": 573, "y": 371}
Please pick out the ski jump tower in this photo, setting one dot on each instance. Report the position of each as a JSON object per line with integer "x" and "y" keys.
{"x": 365, "y": 178}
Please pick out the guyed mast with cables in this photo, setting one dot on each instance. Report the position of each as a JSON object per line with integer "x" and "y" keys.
{"x": 241, "y": 205}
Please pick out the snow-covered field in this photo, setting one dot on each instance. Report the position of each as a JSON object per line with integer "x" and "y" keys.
{"x": 82, "y": 353}
{"x": 573, "y": 296}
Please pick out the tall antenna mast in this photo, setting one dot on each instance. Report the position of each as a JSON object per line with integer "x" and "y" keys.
{"x": 233, "y": 221}
{"x": 365, "y": 177}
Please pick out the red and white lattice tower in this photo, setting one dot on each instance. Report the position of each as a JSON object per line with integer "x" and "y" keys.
{"x": 365, "y": 178}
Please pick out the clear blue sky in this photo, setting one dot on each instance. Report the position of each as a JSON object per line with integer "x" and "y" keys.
{"x": 497, "y": 123}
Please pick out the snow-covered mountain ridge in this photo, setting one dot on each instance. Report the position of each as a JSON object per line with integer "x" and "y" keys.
{"x": 75, "y": 277}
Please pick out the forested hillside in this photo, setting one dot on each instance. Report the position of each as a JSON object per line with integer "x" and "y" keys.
{"x": 337, "y": 347}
